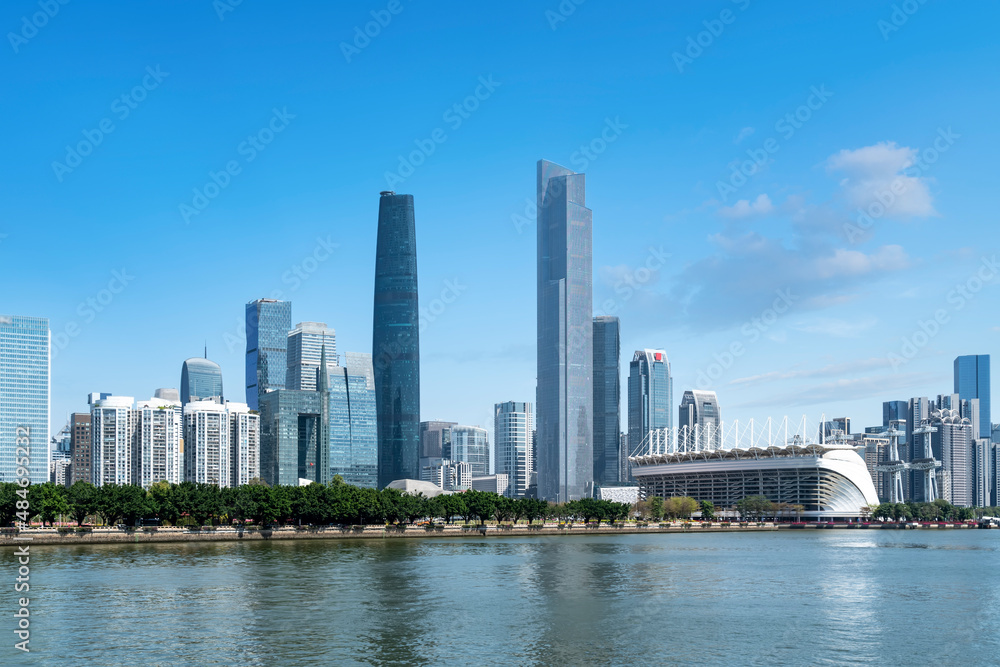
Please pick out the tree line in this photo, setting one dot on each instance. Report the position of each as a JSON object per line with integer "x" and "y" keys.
{"x": 939, "y": 510}
{"x": 195, "y": 504}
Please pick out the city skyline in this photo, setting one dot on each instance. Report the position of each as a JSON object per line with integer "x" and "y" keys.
{"x": 826, "y": 348}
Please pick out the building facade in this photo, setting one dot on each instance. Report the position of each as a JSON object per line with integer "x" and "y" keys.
{"x": 607, "y": 399}
{"x": 650, "y": 397}
{"x": 24, "y": 396}
{"x": 306, "y": 342}
{"x": 698, "y": 420}
{"x": 498, "y": 484}
{"x": 244, "y": 444}
{"x": 972, "y": 380}
{"x": 267, "y": 324}
{"x": 207, "y": 443}
{"x": 80, "y": 447}
{"x": 513, "y": 432}
{"x": 158, "y": 432}
{"x": 396, "y": 340}
{"x": 201, "y": 380}
{"x": 353, "y": 421}
{"x": 565, "y": 355}
{"x": 112, "y": 427}
{"x": 470, "y": 444}
{"x": 291, "y": 436}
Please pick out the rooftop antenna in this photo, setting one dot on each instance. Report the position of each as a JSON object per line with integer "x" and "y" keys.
{"x": 206, "y": 349}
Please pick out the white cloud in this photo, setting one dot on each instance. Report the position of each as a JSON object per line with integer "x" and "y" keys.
{"x": 745, "y": 208}
{"x": 831, "y": 370}
{"x": 744, "y": 133}
{"x": 882, "y": 174}
{"x": 845, "y": 262}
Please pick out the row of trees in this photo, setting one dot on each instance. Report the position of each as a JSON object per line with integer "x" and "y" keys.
{"x": 939, "y": 510}
{"x": 338, "y": 503}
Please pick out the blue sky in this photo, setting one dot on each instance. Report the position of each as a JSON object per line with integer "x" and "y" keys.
{"x": 839, "y": 106}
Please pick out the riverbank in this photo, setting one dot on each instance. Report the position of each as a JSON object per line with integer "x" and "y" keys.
{"x": 229, "y": 534}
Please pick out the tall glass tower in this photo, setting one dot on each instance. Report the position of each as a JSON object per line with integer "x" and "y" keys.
{"x": 353, "y": 432}
{"x": 607, "y": 397}
{"x": 201, "y": 380}
{"x": 305, "y": 344}
{"x": 564, "y": 394}
{"x": 24, "y": 396}
{"x": 972, "y": 380}
{"x": 396, "y": 340}
{"x": 267, "y": 324}
{"x": 650, "y": 396}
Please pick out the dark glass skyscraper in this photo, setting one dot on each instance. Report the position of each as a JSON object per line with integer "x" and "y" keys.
{"x": 396, "y": 340}
{"x": 607, "y": 397}
{"x": 267, "y": 324}
{"x": 650, "y": 397}
{"x": 565, "y": 394}
{"x": 972, "y": 380}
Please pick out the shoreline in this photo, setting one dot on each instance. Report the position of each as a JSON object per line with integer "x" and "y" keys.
{"x": 50, "y": 536}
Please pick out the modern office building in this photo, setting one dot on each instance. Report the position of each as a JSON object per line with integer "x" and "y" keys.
{"x": 972, "y": 380}
{"x": 982, "y": 473}
{"x": 244, "y": 444}
{"x": 292, "y": 436}
{"x": 305, "y": 344}
{"x": 158, "y": 434}
{"x": 918, "y": 414}
{"x": 830, "y": 481}
{"x": 396, "y": 340}
{"x": 167, "y": 394}
{"x": 952, "y": 444}
{"x": 267, "y": 324}
{"x": 24, "y": 395}
{"x": 434, "y": 437}
{"x": 650, "y": 397}
{"x": 111, "y": 428}
{"x": 81, "y": 448}
{"x": 607, "y": 399}
{"x": 498, "y": 484}
{"x": 447, "y": 475}
{"x": 207, "y": 443}
{"x": 564, "y": 394}
{"x": 836, "y": 427}
{"x": 201, "y": 380}
{"x": 470, "y": 444}
{"x": 352, "y": 419}
{"x": 513, "y": 431}
{"x": 698, "y": 420}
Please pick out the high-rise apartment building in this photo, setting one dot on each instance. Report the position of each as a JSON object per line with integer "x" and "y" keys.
{"x": 513, "y": 429}
{"x": 81, "y": 448}
{"x": 607, "y": 398}
{"x": 396, "y": 340}
{"x": 24, "y": 396}
{"x": 158, "y": 433}
{"x": 244, "y": 444}
{"x": 111, "y": 428}
{"x": 201, "y": 380}
{"x": 564, "y": 395}
{"x": 698, "y": 421}
{"x": 267, "y": 324}
{"x": 207, "y": 443}
{"x": 972, "y": 380}
{"x": 470, "y": 444}
{"x": 952, "y": 444}
{"x": 353, "y": 424}
{"x": 650, "y": 397}
{"x": 305, "y": 344}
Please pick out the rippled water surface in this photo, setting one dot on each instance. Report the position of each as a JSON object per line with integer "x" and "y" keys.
{"x": 794, "y": 597}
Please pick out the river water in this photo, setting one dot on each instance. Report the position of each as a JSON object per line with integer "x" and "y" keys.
{"x": 791, "y": 597}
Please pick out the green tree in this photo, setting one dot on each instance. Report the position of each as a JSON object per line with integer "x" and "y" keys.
{"x": 480, "y": 504}
{"x": 163, "y": 501}
{"x": 503, "y": 509}
{"x": 707, "y": 510}
{"x": 533, "y": 509}
{"x": 8, "y": 502}
{"x": 655, "y": 506}
{"x": 82, "y": 498}
{"x": 48, "y": 501}
{"x": 754, "y": 508}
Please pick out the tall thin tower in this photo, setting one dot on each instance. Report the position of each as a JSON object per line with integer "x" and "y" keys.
{"x": 396, "y": 340}
{"x": 564, "y": 395}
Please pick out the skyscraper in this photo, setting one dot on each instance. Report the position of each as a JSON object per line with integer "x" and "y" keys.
{"x": 304, "y": 346}
{"x": 80, "y": 447}
{"x": 267, "y": 324}
{"x": 201, "y": 380}
{"x": 207, "y": 451}
{"x": 353, "y": 429}
{"x": 564, "y": 394}
{"x": 698, "y": 421}
{"x": 513, "y": 427}
{"x": 470, "y": 444}
{"x": 607, "y": 399}
{"x": 650, "y": 396}
{"x": 972, "y": 380}
{"x": 291, "y": 422}
{"x": 24, "y": 395}
{"x": 159, "y": 430}
{"x": 111, "y": 432}
{"x": 396, "y": 340}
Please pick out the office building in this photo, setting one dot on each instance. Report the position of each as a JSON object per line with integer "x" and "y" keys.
{"x": 513, "y": 431}
{"x": 24, "y": 395}
{"x": 305, "y": 344}
{"x": 498, "y": 484}
{"x": 201, "y": 380}
{"x": 396, "y": 340}
{"x": 952, "y": 445}
{"x": 352, "y": 419}
{"x": 81, "y": 448}
{"x": 565, "y": 355}
{"x": 447, "y": 475}
{"x": 972, "y": 380}
{"x": 244, "y": 444}
{"x": 267, "y": 324}
{"x": 698, "y": 421}
{"x": 434, "y": 437}
{"x": 111, "y": 429}
{"x": 650, "y": 397}
{"x": 292, "y": 436}
{"x": 607, "y": 399}
{"x": 982, "y": 473}
{"x": 158, "y": 433}
{"x": 470, "y": 444}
